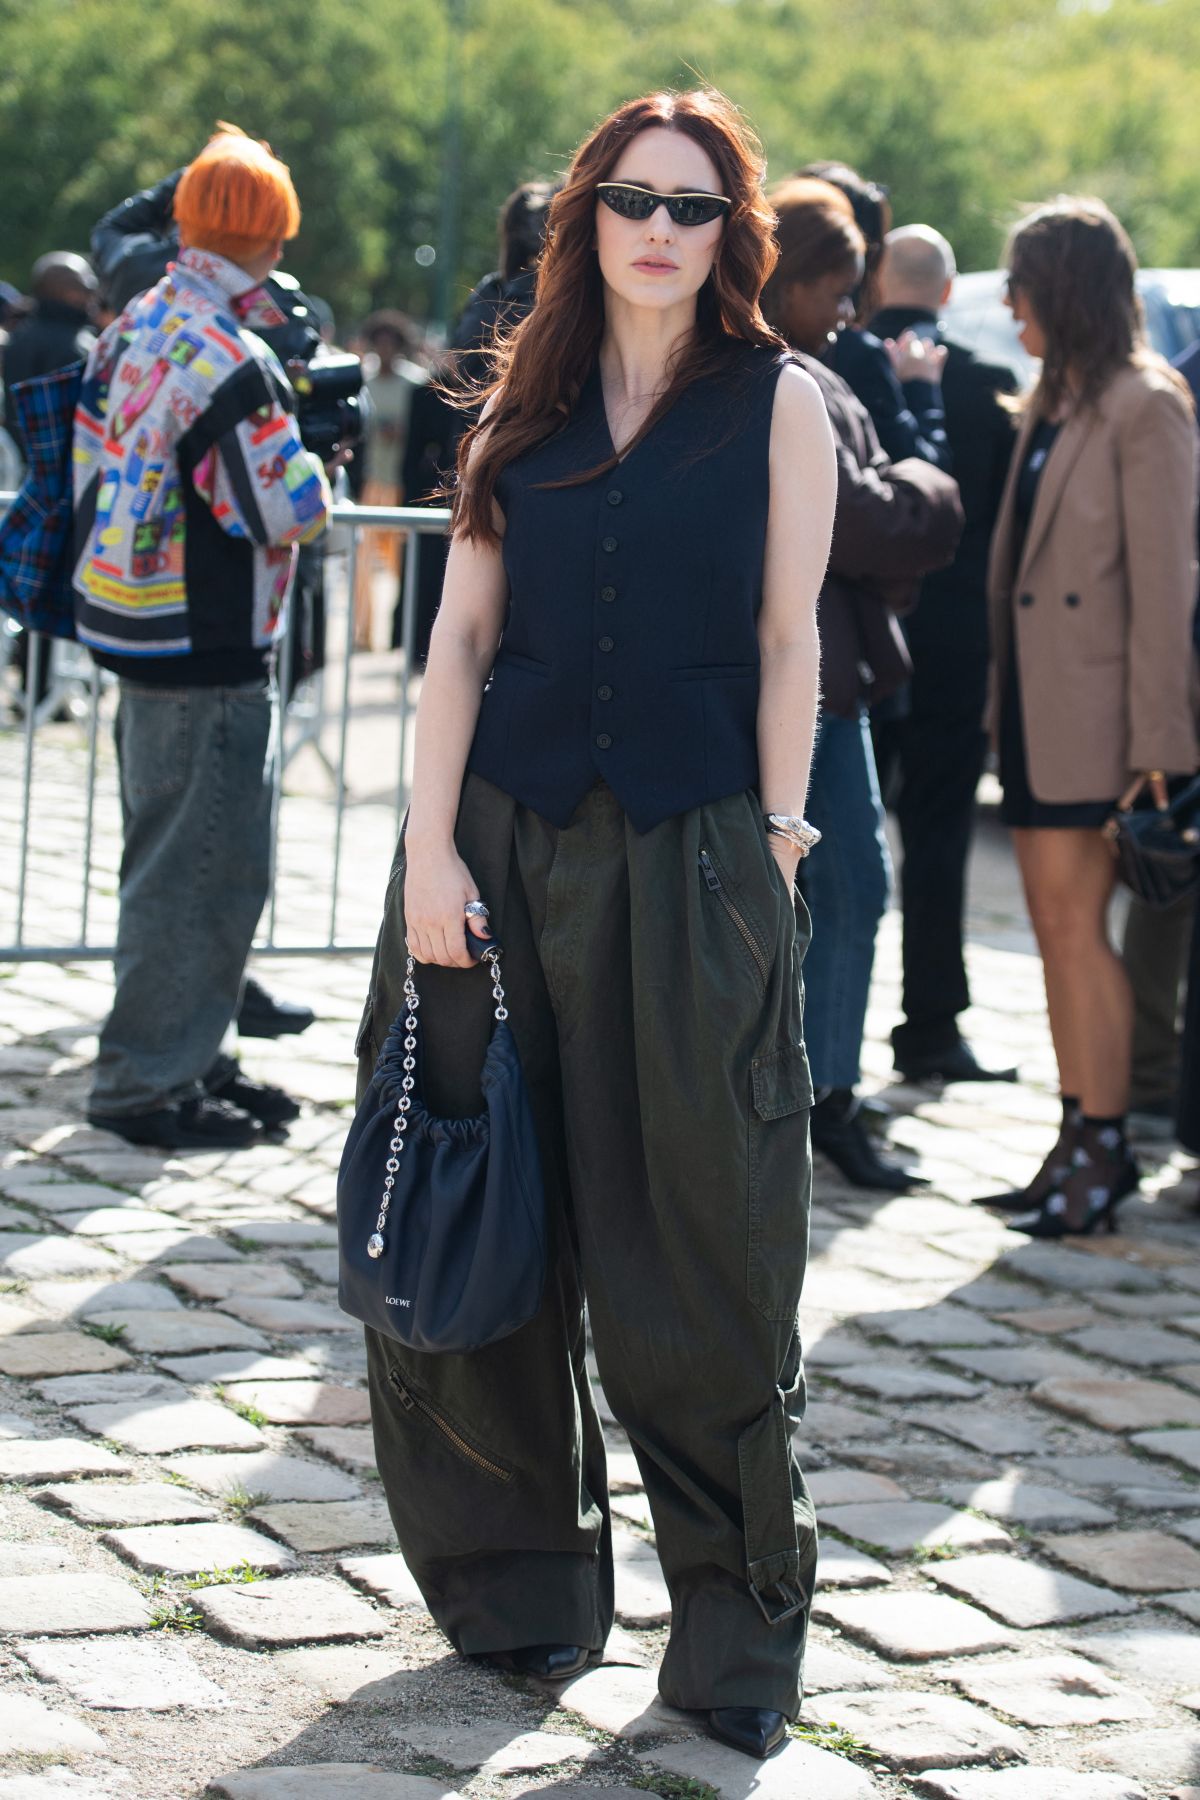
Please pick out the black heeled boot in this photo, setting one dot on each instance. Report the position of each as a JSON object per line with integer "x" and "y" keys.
{"x": 839, "y": 1133}
{"x": 1052, "y": 1174}
{"x": 1102, "y": 1174}
{"x": 754, "y": 1730}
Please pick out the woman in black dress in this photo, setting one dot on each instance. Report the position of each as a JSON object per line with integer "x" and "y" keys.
{"x": 612, "y": 755}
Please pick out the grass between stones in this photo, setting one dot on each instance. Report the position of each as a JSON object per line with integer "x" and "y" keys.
{"x": 832, "y": 1737}
{"x": 217, "y": 1577}
{"x": 252, "y": 1414}
{"x": 241, "y": 1499}
{"x": 674, "y": 1787}
{"x": 108, "y": 1334}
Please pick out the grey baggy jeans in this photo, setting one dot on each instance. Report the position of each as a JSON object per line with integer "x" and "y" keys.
{"x": 196, "y": 794}
{"x": 653, "y": 982}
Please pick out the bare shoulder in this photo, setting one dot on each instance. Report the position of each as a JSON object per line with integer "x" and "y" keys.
{"x": 799, "y": 404}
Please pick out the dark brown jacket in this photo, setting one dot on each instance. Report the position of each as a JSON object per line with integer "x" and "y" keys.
{"x": 895, "y": 522}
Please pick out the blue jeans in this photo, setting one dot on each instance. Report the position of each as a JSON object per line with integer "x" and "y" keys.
{"x": 196, "y": 791}
{"x": 847, "y": 884}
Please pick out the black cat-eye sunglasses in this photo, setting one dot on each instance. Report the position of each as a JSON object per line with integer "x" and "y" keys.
{"x": 633, "y": 202}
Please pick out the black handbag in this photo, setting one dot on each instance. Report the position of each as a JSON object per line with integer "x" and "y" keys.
{"x": 442, "y": 1222}
{"x": 1158, "y": 850}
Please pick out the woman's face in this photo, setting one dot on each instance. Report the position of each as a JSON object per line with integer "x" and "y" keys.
{"x": 1028, "y": 329}
{"x": 815, "y": 311}
{"x": 654, "y": 262}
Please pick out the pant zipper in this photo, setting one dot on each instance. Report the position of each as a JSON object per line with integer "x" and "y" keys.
{"x": 715, "y": 885}
{"x": 414, "y": 1403}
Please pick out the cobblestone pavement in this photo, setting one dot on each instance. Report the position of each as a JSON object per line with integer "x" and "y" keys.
{"x": 199, "y": 1590}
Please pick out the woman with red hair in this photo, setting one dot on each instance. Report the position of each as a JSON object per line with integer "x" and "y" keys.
{"x": 613, "y": 749}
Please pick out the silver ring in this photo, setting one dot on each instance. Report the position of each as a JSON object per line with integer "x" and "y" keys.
{"x": 475, "y": 909}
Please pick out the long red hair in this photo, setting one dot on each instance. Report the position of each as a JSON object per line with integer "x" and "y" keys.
{"x": 539, "y": 369}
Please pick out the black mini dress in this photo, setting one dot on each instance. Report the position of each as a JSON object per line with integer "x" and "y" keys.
{"x": 1020, "y": 808}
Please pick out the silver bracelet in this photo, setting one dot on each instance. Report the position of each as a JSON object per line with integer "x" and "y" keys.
{"x": 799, "y": 833}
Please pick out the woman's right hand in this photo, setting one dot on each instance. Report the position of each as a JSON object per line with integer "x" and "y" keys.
{"x": 437, "y": 887}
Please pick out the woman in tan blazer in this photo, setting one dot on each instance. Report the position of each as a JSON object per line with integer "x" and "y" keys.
{"x": 1092, "y": 587}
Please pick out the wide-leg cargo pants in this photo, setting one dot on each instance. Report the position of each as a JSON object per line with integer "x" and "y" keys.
{"x": 653, "y": 982}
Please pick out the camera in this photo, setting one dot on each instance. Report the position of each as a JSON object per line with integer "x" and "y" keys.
{"x": 331, "y": 406}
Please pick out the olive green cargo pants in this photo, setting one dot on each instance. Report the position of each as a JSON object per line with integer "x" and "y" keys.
{"x": 653, "y": 983}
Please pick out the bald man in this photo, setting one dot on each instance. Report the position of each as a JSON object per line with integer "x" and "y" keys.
{"x": 930, "y": 761}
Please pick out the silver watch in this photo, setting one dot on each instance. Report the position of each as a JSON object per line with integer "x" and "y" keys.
{"x": 798, "y": 832}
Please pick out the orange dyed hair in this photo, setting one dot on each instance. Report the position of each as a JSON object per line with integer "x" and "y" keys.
{"x": 236, "y": 198}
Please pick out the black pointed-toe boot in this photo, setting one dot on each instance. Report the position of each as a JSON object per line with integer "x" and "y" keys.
{"x": 544, "y": 1662}
{"x": 754, "y": 1730}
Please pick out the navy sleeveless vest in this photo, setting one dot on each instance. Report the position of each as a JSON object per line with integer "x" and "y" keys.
{"x": 630, "y": 647}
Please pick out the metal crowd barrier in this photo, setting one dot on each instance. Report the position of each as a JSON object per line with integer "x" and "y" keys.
{"x": 78, "y": 683}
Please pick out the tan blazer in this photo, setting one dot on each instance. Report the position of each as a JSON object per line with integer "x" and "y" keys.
{"x": 1099, "y": 605}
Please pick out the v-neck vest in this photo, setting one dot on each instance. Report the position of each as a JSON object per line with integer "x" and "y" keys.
{"x": 630, "y": 645}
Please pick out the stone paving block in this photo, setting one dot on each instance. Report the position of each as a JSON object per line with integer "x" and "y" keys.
{"x": 197, "y": 1549}
{"x": 156, "y": 1333}
{"x": 1112, "y": 1469}
{"x": 188, "y": 1246}
{"x": 353, "y": 1446}
{"x": 299, "y": 1609}
{"x": 891, "y": 1381}
{"x": 54, "y": 1605}
{"x": 799, "y": 1769}
{"x": 1187, "y": 1374}
{"x": 1188, "y": 1528}
{"x": 836, "y": 1349}
{"x": 984, "y": 1428}
{"x": 1018, "y": 1368}
{"x": 57, "y": 1783}
{"x": 495, "y": 1746}
{"x": 223, "y": 1280}
{"x": 322, "y": 1265}
{"x": 12, "y": 1425}
{"x": 156, "y": 1427}
{"x": 1186, "y": 1604}
{"x": 240, "y": 1365}
{"x": 919, "y": 1731}
{"x": 903, "y": 1526}
{"x": 1119, "y": 1403}
{"x": 1029, "y": 1783}
{"x": 54, "y": 1459}
{"x": 849, "y": 1487}
{"x": 624, "y": 1702}
{"x": 352, "y": 1674}
{"x": 92, "y": 1390}
{"x": 126, "y": 1502}
{"x": 302, "y": 1402}
{"x": 1161, "y": 1657}
{"x": 829, "y": 1669}
{"x": 80, "y": 1299}
{"x": 386, "y": 1577}
{"x": 115, "y": 1221}
{"x": 1050, "y": 1319}
{"x": 1141, "y": 1346}
{"x": 332, "y": 1781}
{"x": 1145, "y": 1562}
{"x": 267, "y": 1474}
{"x": 642, "y": 1595}
{"x": 1050, "y": 1690}
{"x": 1154, "y": 1757}
{"x": 825, "y": 1421}
{"x": 285, "y": 1234}
{"x": 1178, "y": 1446}
{"x": 328, "y": 1524}
{"x": 58, "y": 1353}
{"x": 1021, "y": 1501}
{"x": 1075, "y": 1272}
{"x": 1148, "y": 1499}
{"x": 1026, "y": 1593}
{"x": 16, "y": 1320}
{"x": 289, "y": 1315}
{"x": 914, "y": 1627}
{"x": 940, "y": 1325}
{"x": 842, "y": 1566}
{"x": 28, "y": 1257}
{"x": 118, "y": 1676}
{"x": 31, "y": 1728}
{"x": 34, "y": 1559}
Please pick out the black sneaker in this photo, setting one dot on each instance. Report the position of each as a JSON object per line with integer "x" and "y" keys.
{"x": 269, "y": 1105}
{"x": 261, "y": 1015}
{"x": 199, "y": 1124}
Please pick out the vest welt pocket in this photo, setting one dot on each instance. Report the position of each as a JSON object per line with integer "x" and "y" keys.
{"x": 715, "y": 672}
{"x": 413, "y": 1402}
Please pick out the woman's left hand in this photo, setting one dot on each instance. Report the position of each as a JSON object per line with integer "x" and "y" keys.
{"x": 785, "y": 854}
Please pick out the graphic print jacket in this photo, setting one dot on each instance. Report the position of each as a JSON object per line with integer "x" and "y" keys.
{"x": 192, "y": 487}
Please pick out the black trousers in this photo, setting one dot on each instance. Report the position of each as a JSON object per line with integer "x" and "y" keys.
{"x": 653, "y": 982}
{"x": 1189, "y": 1080}
{"x": 929, "y": 768}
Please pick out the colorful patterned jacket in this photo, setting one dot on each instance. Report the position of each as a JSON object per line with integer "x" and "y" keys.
{"x": 192, "y": 488}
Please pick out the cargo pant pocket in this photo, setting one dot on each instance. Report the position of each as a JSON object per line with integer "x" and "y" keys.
{"x": 780, "y": 1563}
{"x": 780, "y": 1180}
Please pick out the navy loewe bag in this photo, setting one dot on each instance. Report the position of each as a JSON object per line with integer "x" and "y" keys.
{"x": 442, "y": 1222}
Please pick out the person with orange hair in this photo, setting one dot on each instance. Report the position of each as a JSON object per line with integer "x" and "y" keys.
{"x": 192, "y": 491}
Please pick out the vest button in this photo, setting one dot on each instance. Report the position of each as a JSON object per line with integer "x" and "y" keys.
{"x": 604, "y": 742}
{"x": 615, "y": 496}
{"x": 609, "y": 544}
{"x": 1026, "y": 599}
{"x": 606, "y": 644}
{"x": 608, "y": 593}
{"x": 604, "y": 693}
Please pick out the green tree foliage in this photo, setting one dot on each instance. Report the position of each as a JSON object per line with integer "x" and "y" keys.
{"x": 964, "y": 108}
